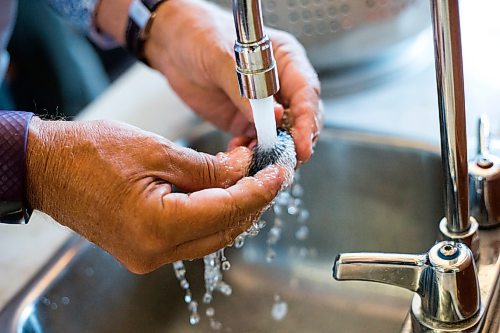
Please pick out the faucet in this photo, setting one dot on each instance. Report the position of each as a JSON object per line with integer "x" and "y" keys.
{"x": 453, "y": 292}
{"x": 255, "y": 63}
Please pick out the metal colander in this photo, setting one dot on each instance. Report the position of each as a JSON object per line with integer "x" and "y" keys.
{"x": 339, "y": 33}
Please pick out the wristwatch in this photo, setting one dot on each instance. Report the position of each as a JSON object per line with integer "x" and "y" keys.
{"x": 141, "y": 17}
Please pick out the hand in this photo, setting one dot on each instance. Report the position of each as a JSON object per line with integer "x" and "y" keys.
{"x": 112, "y": 183}
{"x": 191, "y": 43}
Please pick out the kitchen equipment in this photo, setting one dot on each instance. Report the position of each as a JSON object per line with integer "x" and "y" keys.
{"x": 346, "y": 33}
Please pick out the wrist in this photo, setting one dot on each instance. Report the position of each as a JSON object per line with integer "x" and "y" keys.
{"x": 165, "y": 33}
{"x": 142, "y": 16}
{"x": 43, "y": 163}
{"x": 112, "y": 17}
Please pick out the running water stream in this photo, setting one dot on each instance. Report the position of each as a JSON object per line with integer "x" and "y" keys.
{"x": 287, "y": 202}
{"x": 265, "y": 121}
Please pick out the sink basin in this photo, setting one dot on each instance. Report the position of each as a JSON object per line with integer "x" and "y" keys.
{"x": 365, "y": 192}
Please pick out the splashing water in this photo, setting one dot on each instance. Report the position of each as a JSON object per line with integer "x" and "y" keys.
{"x": 275, "y": 148}
{"x": 265, "y": 121}
{"x": 288, "y": 204}
{"x": 279, "y": 309}
{"x": 180, "y": 274}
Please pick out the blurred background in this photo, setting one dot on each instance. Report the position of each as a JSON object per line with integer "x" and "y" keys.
{"x": 357, "y": 47}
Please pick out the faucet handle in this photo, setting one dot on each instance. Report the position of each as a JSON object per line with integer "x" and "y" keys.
{"x": 444, "y": 280}
{"x": 484, "y": 135}
{"x": 402, "y": 270}
{"x": 484, "y": 180}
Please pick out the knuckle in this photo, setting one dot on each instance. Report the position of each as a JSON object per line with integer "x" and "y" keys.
{"x": 210, "y": 174}
{"x": 235, "y": 213}
{"x": 266, "y": 193}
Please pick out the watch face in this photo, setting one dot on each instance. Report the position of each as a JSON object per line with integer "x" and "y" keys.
{"x": 12, "y": 213}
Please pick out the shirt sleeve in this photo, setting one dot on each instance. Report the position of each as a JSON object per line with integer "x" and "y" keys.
{"x": 80, "y": 14}
{"x": 13, "y": 139}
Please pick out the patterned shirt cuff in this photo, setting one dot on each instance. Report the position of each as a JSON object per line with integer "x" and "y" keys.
{"x": 13, "y": 139}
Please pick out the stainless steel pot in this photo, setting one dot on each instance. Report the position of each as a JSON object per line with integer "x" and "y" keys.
{"x": 344, "y": 33}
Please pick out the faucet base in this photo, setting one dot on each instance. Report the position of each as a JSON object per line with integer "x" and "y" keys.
{"x": 469, "y": 237}
{"x": 487, "y": 319}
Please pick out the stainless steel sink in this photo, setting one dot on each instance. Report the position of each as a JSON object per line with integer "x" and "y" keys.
{"x": 365, "y": 193}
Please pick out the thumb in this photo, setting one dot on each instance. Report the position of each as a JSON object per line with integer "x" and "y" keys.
{"x": 193, "y": 171}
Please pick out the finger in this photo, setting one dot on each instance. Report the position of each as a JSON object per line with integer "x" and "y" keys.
{"x": 192, "y": 171}
{"x": 239, "y": 141}
{"x": 300, "y": 91}
{"x": 239, "y": 124}
{"x": 201, "y": 247}
{"x": 206, "y": 212}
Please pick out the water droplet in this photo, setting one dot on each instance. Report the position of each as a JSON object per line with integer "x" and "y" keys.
{"x": 270, "y": 255}
{"x": 53, "y": 306}
{"x": 226, "y": 265}
{"x": 292, "y": 209}
{"x": 262, "y": 224}
{"x": 188, "y": 297}
{"x": 225, "y": 289}
{"x": 194, "y": 319}
{"x": 277, "y": 210}
{"x": 184, "y": 284}
{"x": 283, "y": 198}
{"x": 279, "y": 310}
{"x": 193, "y": 306}
{"x": 303, "y": 216}
{"x": 297, "y": 190}
{"x": 215, "y": 325}
{"x": 179, "y": 269}
{"x": 273, "y": 236}
{"x": 210, "y": 312}
{"x": 65, "y": 300}
{"x": 254, "y": 233}
{"x": 207, "y": 298}
{"x": 178, "y": 264}
{"x": 298, "y": 202}
{"x": 239, "y": 242}
{"x": 302, "y": 233}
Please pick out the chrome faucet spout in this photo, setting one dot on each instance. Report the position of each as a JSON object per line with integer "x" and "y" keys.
{"x": 451, "y": 98}
{"x": 255, "y": 63}
{"x": 248, "y": 21}
{"x": 450, "y": 296}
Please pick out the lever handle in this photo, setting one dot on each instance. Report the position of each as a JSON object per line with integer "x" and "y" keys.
{"x": 402, "y": 270}
{"x": 444, "y": 278}
{"x": 484, "y": 180}
{"x": 484, "y": 135}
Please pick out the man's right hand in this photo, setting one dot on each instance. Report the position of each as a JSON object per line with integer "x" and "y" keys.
{"x": 112, "y": 183}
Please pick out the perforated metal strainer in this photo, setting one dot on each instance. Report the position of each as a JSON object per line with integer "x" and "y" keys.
{"x": 340, "y": 33}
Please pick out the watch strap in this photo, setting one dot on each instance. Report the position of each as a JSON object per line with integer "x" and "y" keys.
{"x": 141, "y": 14}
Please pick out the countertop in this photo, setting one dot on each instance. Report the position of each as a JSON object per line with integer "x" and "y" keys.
{"x": 407, "y": 107}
